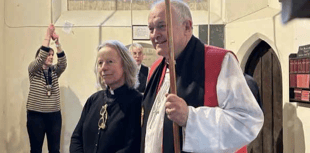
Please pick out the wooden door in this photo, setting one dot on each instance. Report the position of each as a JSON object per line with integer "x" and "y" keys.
{"x": 265, "y": 68}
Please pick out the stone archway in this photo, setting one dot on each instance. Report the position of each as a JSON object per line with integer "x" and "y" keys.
{"x": 263, "y": 64}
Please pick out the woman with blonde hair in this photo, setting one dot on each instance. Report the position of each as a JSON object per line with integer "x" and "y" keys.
{"x": 110, "y": 120}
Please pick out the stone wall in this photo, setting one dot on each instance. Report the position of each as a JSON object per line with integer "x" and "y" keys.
{"x": 125, "y": 5}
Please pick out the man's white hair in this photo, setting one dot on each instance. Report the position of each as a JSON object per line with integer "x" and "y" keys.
{"x": 135, "y": 45}
{"x": 181, "y": 8}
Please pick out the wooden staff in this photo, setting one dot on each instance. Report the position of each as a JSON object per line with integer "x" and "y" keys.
{"x": 173, "y": 88}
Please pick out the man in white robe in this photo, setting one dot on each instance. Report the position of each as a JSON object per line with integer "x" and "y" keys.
{"x": 220, "y": 115}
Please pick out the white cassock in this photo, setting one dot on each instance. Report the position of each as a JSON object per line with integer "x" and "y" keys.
{"x": 226, "y": 128}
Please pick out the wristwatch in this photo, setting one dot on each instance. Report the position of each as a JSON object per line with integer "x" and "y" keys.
{"x": 58, "y": 45}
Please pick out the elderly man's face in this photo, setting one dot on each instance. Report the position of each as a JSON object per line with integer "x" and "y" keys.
{"x": 137, "y": 55}
{"x": 158, "y": 31}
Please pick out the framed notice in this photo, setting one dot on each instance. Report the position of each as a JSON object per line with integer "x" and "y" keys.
{"x": 140, "y": 32}
{"x": 299, "y": 75}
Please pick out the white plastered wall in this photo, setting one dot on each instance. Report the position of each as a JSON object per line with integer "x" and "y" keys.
{"x": 302, "y": 124}
{"x": 245, "y": 33}
{"x": 2, "y": 82}
{"x": 24, "y": 30}
{"x": 26, "y": 23}
{"x": 236, "y": 9}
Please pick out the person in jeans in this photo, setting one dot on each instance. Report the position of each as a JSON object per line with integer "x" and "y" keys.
{"x": 43, "y": 104}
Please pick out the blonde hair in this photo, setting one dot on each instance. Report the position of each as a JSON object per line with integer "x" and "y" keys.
{"x": 129, "y": 64}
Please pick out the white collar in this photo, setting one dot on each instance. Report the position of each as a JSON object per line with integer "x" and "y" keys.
{"x": 139, "y": 67}
{"x": 111, "y": 91}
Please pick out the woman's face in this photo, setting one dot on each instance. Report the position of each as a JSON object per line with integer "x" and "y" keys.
{"x": 110, "y": 67}
{"x": 49, "y": 59}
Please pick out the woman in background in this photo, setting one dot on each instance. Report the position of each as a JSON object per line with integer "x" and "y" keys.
{"x": 43, "y": 104}
{"x": 110, "y": 120}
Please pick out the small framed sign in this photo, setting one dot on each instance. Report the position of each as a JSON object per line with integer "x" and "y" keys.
{"x": 303, "y": 51}
{"x": 140, "y": 32}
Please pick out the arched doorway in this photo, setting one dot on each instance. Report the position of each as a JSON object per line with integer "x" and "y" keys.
{"x": 265, "y": 68}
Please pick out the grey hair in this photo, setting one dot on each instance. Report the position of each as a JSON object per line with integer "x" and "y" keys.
{"x": 135, "y": 45}
{"x": 129, "y": 64}
{"x": 181, "y": 8}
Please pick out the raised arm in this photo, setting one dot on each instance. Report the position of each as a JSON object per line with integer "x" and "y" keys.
{"x": 48, "y": 35}
{"x": 35, "y": 65}
{"x": 62, "y": 60}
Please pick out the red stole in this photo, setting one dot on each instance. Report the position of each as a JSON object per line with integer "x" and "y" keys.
{"x": 213, "y": 62}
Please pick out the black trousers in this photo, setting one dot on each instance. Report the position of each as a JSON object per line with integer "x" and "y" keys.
{"x": 39, "y": 124}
